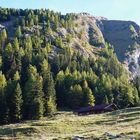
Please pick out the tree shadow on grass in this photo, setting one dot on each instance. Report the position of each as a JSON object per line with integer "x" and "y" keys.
{"x": 13, "y": 132}
{"x": 123, "y": 111}
{"x": 106, "y": 122}
{"x": 127, "y": 119}
{"x": 133, "y": 114}
{"x": 42, "y": 124}
{"x": 114, "y": 121}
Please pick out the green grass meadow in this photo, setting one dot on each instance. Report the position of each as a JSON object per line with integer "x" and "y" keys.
{"x": 120, "y": 125}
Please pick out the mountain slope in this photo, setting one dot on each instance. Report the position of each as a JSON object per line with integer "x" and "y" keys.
{"x": 50, "y": 61}
{"x": 118, "y": 33}
{"x": 93, "y": 31}
{"x": 123, "y": 35}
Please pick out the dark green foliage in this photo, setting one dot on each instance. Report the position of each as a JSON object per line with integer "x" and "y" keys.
{"x": 3, "y": 38}
{"x": 33, "y": 98}
{"x": 3, "y": 105}
{"x": 17, "y": 101}
{"x": 136, "y": 97}
{"x": 14, "y": 99}
{"x": 18, "y": 32}
{"x": 51, "y": 96}
{"x": 49, "y": 89}
{"x": 59, "y": 42}
{"x": 74, "y": 97}
{"x": 88, "y": 98}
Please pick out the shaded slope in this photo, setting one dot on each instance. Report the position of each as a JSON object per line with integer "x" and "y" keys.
{"x": 118, "y": 33}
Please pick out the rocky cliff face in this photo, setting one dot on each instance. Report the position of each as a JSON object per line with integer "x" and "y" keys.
{"x": 120, "y": 35}
{"x": 123, "y": 35}
{"x": 132, "y": 63}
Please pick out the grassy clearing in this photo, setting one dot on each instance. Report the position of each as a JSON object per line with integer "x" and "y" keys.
{"x": 65, "y": 125}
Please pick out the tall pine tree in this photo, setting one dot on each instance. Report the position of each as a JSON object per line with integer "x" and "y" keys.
{"x": 33, "y": 98}
{"x": 3, "y": 105}
{"x": 49, "y": 89}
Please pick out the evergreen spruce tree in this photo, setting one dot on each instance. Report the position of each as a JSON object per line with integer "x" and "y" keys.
{"x": 14, "y": 99}
{"x": 56, "y": 23}
{"x": 3, "y": 105}
{"x": 18, "y": 32}
{"x": 33, "y": 98}
{"x": 105, "y": 100}
{"x": 16, "y": 103}
{"x": 16, "y": 45}
{"x": 3, "y": 38}
{"x": 48, "y": 29}
{"x": 49, "y": 89}
{"x": 136, "y": 97}
{"x": 60, "y": 89}
{"x": 88, "y": 98}
{"x": 51, "y": 96}
{"x": 0, "y": 62}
